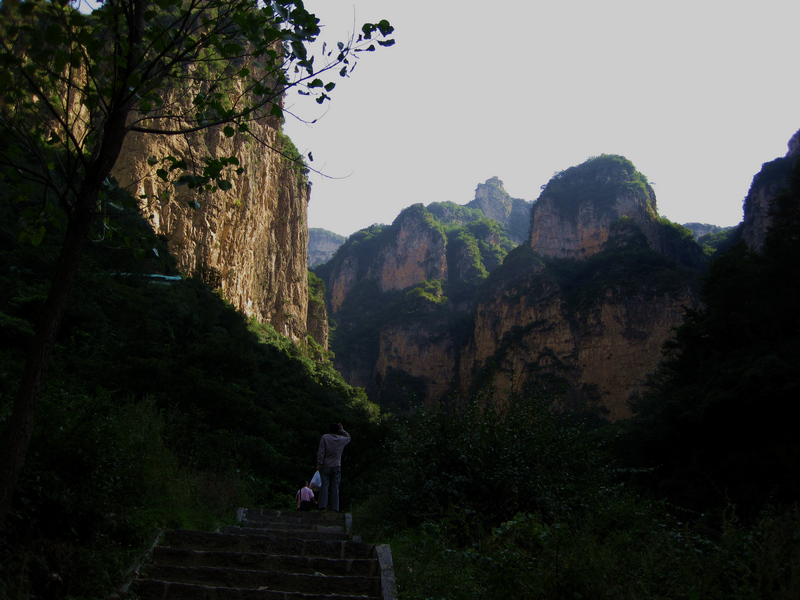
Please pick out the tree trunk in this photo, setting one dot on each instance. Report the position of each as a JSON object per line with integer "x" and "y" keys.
{"x": 20, "y": 426}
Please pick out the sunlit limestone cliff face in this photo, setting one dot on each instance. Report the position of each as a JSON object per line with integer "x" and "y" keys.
{"x": 773, "y": 177}
{"x": 392, "y": 258}
{"x": 595, "y": 295}
{"x": 577, "y": 210}
{"x": 322, "y": 245}
{"x": 395, "y": 290}
{"x": 593, "y": 330}
{"x": 583, "y": 306}
{"x": 492, "y": 199}
{"x": 250, "y": 240}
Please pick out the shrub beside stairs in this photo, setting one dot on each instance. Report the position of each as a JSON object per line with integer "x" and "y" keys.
{"x": 270, "y": 555}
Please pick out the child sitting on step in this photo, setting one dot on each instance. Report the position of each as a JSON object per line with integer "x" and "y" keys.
{"x": 305, "y": 497}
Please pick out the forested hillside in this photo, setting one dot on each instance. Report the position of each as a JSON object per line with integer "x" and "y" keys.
{"x": 134, "y": 397}
{"x": 164, "y": 407}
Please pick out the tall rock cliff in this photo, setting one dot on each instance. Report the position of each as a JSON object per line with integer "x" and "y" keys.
{"x": 593, "y": 328}
{"x": 253, "y": 238}
{"x": 773, "y": 178}
{"x": 492, "y": 199}
{"x": 395, "y": 290}
{"x": 574, "y": 215}
{"x": 586, "y": 302}
{"x": 322, "y": 245}
{"x": 392, "y": 258}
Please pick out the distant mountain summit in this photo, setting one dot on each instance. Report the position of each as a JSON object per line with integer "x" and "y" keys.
{"x": 577, "y": 291}
{"x": 771, "y": 180}
{"x": 582, "y": 286}
{"x": 492, "y": 199}
{"x": 322, "y": 244}
{"x": 584, "y": 209}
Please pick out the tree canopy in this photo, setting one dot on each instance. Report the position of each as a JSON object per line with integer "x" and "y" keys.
{"x": 719, "y": 414}
{"x": 76, "y": 84}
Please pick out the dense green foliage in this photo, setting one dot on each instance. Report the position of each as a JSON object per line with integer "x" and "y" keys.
{"x": 720, "y": 415}
{"x": 165, "y": 407}
{"x": 454, "y": 214}
{"x": 721, "y": 241}
{"x": 627, "y": 265}
{"x": 434, "y": 309}
{"x": 598, "y": 181}
{"x": 522, "y": 502}
{"x": 489, "y": 458}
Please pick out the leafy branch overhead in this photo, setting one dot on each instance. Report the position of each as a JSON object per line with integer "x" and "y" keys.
{"x": 73, "y": 85}
{"x": 167, "y": 67}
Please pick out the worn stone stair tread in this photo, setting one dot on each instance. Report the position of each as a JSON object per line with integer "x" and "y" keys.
{"x": 293, "y": 525}
{"x": 364, "y": 567}
{"x": 170, "y": 590}
{"x": 206, "y": 540}
{"x": 268, "y": 513}
{"x": 270, "y": 555}
{"x": 273, "y": 580}
{"x": 303, "y": 534}
{"x": 306, "y": 518}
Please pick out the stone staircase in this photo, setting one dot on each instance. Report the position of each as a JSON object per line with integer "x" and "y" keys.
{"x": 270, "y": 555}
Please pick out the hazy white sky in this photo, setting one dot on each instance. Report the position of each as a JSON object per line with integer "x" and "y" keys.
{"x": 696, "y": 93}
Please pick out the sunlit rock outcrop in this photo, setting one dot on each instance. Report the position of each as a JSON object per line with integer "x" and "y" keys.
{"x": 583, "y": 306}
{"x": 251, "y": 240}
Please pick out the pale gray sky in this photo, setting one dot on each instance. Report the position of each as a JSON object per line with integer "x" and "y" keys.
{"x": 697, "y": 94}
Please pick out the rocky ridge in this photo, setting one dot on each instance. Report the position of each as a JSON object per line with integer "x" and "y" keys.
{"x": 773, "y": 177}
{"x": 584, "y": 304}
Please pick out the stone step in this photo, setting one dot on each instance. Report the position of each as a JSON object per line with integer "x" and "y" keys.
{"x": 264, "y": 514}
{"x": 308, "y": 565}
{"x": 302, "y": 519}
{"x": 271, "y": 555}
{"x": 337, "y": 534}
{"x": 165, "y": 590}
{"x": 266, "y": 544}
{"x": 292, "y": 526}
{"x": 271, "y": 580}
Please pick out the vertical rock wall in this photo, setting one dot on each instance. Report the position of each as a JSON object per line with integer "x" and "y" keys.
{"x": 773, "y": 178}
{"x": 254, "y": 235}
{"x": 599, "y": 333}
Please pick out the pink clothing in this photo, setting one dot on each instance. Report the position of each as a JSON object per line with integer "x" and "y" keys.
{"x": 304, "y": 495}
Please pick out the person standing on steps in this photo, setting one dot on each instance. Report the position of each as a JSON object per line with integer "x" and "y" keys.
{"x": 329, "y": 465}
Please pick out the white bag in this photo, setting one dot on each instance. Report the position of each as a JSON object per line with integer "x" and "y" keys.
{"x": 316, "y": 481}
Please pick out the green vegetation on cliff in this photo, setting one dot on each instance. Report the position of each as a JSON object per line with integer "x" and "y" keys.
{"x": 724, "y": 400}
{"x": 597, "y": 182}
{"x": 75, "y": 85}
{"x": 472, "y": 244}
{"x": 292, "y": 157}
{"x": 164, "y": 408}
{"x": 167, "y": 408}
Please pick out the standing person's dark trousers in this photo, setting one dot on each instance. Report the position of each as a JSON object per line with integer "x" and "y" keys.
{"x": 329, "y": 465}
{"x": 331, "y": 477}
